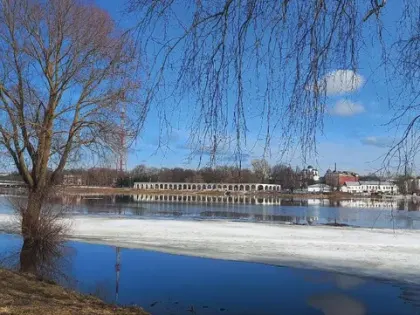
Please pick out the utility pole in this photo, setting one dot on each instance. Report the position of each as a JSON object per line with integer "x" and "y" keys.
{"x": 122, "y": 145}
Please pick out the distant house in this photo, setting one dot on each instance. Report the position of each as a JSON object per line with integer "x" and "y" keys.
{"x": 355, "y": 187}
{"x": 352, "y": 187}
{"x": 319, "y": 188}
{"x": 72, "y": 180}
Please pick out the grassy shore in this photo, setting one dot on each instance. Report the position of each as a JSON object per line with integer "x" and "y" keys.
{"x": 24, "y": 294}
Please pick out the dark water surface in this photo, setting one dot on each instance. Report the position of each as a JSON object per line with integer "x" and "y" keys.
{"x": 172, "y": 284}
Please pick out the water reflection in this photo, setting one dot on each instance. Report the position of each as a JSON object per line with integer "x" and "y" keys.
{"x": 337, "y": 304}
{"x": 356, "y": 213}
{"x": 253, "y": 200}
{"x": 408, "y": 204}
{"x": 253, "y": 209}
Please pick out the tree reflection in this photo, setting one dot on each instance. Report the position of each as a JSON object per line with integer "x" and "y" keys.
{"x": 337, "y": 304}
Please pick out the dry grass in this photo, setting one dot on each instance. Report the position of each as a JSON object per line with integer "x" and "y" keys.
{"x": 24, "y": 294}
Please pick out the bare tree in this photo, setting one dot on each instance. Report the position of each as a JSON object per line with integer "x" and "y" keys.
{"x": 261, "y": 169}
{"x": 48, "y": 257}
{"x": 66, "y": 74}
{"x": 285, "y": 176}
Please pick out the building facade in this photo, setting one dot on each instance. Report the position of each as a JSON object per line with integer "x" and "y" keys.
{"x": 207, "y": 187}
{"x": 337, "y": 179}
{"x": 319, "y": 188}
{"x": 370, "y": 187}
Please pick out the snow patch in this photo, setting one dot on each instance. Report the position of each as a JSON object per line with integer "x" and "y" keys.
{"x": 363, "y": 252}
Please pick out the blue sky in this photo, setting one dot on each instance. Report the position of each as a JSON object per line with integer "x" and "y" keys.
{"x": 354, "y": 134}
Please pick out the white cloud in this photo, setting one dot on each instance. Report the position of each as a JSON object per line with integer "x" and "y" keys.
{"x": 346, "y": 108}
{"x": 380, "y": 142}
{"x": 341, "y": 81}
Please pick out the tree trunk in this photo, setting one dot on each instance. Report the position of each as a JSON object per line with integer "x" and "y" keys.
{"x": 30, "y": 223}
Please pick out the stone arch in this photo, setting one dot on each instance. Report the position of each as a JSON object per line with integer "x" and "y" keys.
{"x": 219, "y": 186}
{"x": 209, "y": 186}
{"x": 253, "y": 187}
{"x": 185, "y": 186}
{"x": 246, "y": 187}
{"x": 224, "y": 187}
{"x": 198, "y": 187}
{"x": 260, "y": 187}
{"x": 156, "y": 186}
{"x": 235, "y": 187}
{"x": 230, "y": 187}
{"x": 241, "y": 187}
{"x": 194, "y": 187}
{"x": 214, "y": 187}
{"x": 170, "y": 186}
{"x": 161, "y": 186}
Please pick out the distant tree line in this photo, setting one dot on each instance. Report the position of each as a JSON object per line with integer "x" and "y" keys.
{"x": 260, "y": 172}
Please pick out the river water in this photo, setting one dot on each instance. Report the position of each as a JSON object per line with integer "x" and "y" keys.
{"x": 175, "y": 284}
{"x": 393, "y": 214}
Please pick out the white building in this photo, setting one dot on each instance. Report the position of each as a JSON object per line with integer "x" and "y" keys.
{"x": 319, "y": 188}
{"x": 310, "y": 173}
{"x": 378, "y": 186}
{"x": 370, "y": 187}
{"x": 207, "y": 186}
{"x": 352, "y": 187}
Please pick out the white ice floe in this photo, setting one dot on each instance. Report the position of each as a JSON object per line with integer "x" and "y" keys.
{"x": 364, "y": 252}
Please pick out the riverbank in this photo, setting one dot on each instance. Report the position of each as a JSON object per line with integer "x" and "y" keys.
{"x": 24, "y": 294}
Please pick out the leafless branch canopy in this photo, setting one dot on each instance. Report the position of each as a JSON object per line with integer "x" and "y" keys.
{"x": 242, "y": 60}
{"x": 66, "y": 74}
